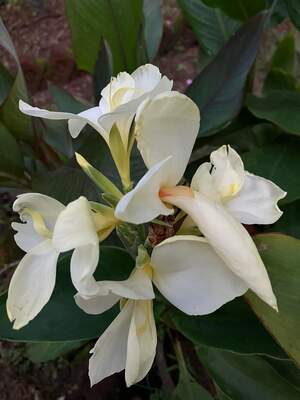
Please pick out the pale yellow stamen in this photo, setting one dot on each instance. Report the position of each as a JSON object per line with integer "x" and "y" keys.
{"x": 38, "y": 223}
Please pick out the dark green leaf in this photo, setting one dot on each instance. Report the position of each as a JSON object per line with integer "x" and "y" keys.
{"x": 280, "y": 107}
{"x": 6, "y": 82}
{"x": 219, "y": 89}
{"x": 246, "y": 377}
{"x": 211, "y": 26}
{"x": 11, "y": 161}
{"x": 117, "y": 21}
{"x": 61, "y": 320}
{"x": 19, "y": 124}
{"x": 288, "y": 370}
{"x": 153, "y": 26}
{"x": 289, "y": 222}
{"x": 285, "y": 54}
{"x": 279, "y": 162}
{"x": 64, "y": 101}
{"x": 47, "y": 351}
{"x": 293, "y": 7}
{"x": 238, "y": 9}
{"x": 189, "y": 389}
{"x": 281, "y": 256}
{"x": 241, "y": 330}
{"x": 279, "y": 80}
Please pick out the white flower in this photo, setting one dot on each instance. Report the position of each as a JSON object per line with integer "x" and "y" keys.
{"x": 221, "y": 196}
{"x": 187, "y": 272}
{"x": 48, "y": 229}
{"x": 119, "y": 102}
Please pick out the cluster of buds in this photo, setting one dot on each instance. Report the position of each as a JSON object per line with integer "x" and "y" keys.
{"x": 209, "y": 260}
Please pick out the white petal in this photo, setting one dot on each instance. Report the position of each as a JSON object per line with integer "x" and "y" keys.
{"x": 75, "y": 226}
{"x": 143, "y": 203}
{"x": 84, "y": 262}
{"x": 39, "y": 112}
{"x": 146, "y": 77}
{"x": 228, "y": 172}
{"x": 167, "y": 125}
{"x": 256, "y": 203}
{"x": 231, "y": 242}
{"x": 188, "y": 272}
{"x": 110, "y": 351}
{"x": 96, "y": 304}
{"x": 31, "y": 286}
{"x": 137, "y": 286}
{"x": 48, "y": 207}
{"x": 203, "y": 181}
{"x": 89, "y": 116}
{"x": 26, "y": 236}
{"x": 142, "y": 341}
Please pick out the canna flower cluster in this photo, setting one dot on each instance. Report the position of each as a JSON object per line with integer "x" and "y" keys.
{"x": 196, "y": 272}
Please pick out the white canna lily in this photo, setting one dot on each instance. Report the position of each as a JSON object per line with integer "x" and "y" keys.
{"x": 48, "y": 229}
{"x": 119, "y": 102}
{"x": 186, "y": 271}
{"x": 221, "y": 194}
{"x": 34, "y": 279}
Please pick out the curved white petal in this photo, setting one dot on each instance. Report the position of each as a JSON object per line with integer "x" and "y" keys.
{"x": 203, "y": 181}
{"x": 26, "y": 237}
{"x": 96, "y": 304}
{"x": 228, "y": 172}
{"x": 31, "y": 286}
{"x": 84, "y": 262}
{"x": 188, "y": 272}
{"x": 142, "y": 341}
{"x": 75, "y": 226}
{"x": 143, "y": 203}
{"x": 40, "y": 112}
{"x": 48, "y": 207}
{"x": 256, "y": 203}
{"x": 146, "y": 78}
{"x": 231, "y": 242}
{"x": 110, "y": 350}
{"x": 167, "y": 125}
{"x": 89, "y": 116}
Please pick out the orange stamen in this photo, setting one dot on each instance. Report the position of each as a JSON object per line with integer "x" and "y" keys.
{"x": 178, "y": 191}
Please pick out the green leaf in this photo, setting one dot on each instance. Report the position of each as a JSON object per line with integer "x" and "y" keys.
{"x": 11, "y": 160}
{"x": 6, "y": 82}
{"x": 238, "y": 9}
{"x": 289, "y": 221}
{"x": 61, "y": 320}
{"x": 153, "y": 26}
{"x": 279, "y": 80}
{"x": 117, "y": 21}
{"x": 219, "y": 89}
{"x": 47, "y": 351}
{"x": 241, "y": 330}
{"x": 19, "y": 124}
{"x": 288, "y": 370}
{"x": 293, "y": 7}
{"x": 211, "y": 26}
{"x": 281, "y": 256}
{"x": 280, "y": 163}
{"x": 189, "y": 389}
{"x": 284, "y": 56}
{"x": 245, "y": 377}
{"x": 65, "y": 101}
{"x": 280, "y": 107}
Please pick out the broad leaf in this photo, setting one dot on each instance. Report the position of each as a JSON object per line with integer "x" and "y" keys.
{"x": 246, "y": 377}
{"x": 238, "y": 9}
{"x": 153, "y": 26}
{"x": 280, "y": 163}
{"x": 19, "y": 124}
{"x": 117, "y": 21}
{"x": 280, "y": 107}
{"x": 61, "y": 319}
{"x": 47, "y": 351}
{"x": 241, "y": 330}
{"x": 211, "y": 26}
{"x": 289, "y": 222}
{"x": 11, "y": 160}
{"x": 219, "y": 89}
{"x": 6, "y": 82}
{"x": 281, "y": 256}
